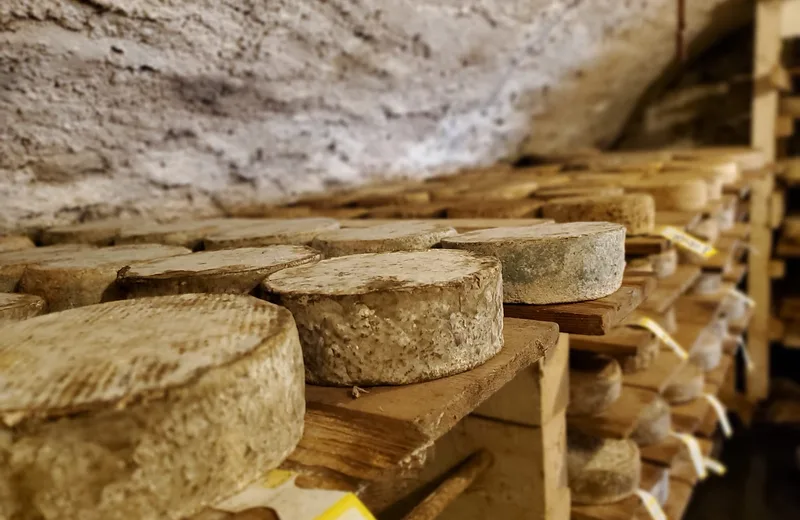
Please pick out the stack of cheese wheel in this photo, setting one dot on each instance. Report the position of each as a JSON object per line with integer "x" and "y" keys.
{"x": 601, "y": 471}
{"x": 654, "y": 423}
{"x": 637, "y": 212}
{"x": 552, "y": 263}
{"x": 665, "y": 263}
{"x": 686, "y": 385}
{"x": 270, "y": 232}
{"x": 148, "y": 408}
{"x": 595, "y": 382}
{"x": 706, "y": 352}
{"x": 672, "y": 193}
{"x": 14, "y": 263}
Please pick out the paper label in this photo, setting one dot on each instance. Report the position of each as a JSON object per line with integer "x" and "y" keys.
{"x": 279, "y": 493}
{"x": 715, "y": 466}
{"x": 748, "y": 362}
{"x": 662, "y": 334}
{"x": 736, "y": 293}
{"x": 651, "y": 504}
{"x": 695, "y": 454}
{"x": 724, "y": 423}
{"x": 686, "y": 241}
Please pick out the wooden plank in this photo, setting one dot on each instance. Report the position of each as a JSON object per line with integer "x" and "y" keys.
{"x": 620, "y": 341}
{"x": 729, "y": 250}
{"x": 682, "y": 468}
{"x": 595, "y": 317}
{"x": 630, "y": 508}
{"x": 671, "y": 288}
{"x": 736, "y": 274}
{"x": 777, "y": 269}
{"x": 740, "y": 230}
{"x": 787, "y": 248}
{"x": 663, "y": 453}
{"x": 789, "y": 19}
{"x": 646, "y": 245}
{"x": 766, "y": 59}
{"x": 618, "y": 420}
{"x": 759, "y": 284}
{"x": 658, "y": 375}
{"x": 679, "y": 495}
{"x": 784, "y": 126}
{"x": 679, "y": 219}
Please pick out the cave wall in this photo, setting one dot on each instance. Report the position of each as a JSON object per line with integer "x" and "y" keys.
{"x": 177, "y": 107}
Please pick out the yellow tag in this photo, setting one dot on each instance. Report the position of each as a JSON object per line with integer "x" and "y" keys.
{"x": 348, "y": 508}
{"x": 715, "y": 466}
{"x": 748, "y": 362}
{"x": 695, "y": 454}
{"x": 722, "y": 415}
{"x": 651, "y": 504}
{"x": 663, "y": 335}
{"x": 276, "y": 477}
{"x": 686, "y": 241}
{"x": 742, "y": 296}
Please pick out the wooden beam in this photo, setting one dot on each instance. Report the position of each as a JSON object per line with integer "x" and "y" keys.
{"x": 766, "y": 59}
{"x": 789, "y": 18}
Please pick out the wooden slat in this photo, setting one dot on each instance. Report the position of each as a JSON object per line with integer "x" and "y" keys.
{"x": 658, "y": 375}
{"x": 595, "y": 317}
{"x": 618, "y": 420}
{"x": 766, "y": 59}
{"x": 789, "y": 18}
{"x": 679, "y": 495}
{"x": 671, "y": 288}
{"x": 645, "y": 245}
{"x": 736, "y": 274}
{"x": 620, "y": 341}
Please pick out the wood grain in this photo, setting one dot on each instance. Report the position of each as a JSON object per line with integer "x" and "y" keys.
{"x": 595, "y": 317}
{"x": 620, "y": 341}
{"x": 618, "y": 420}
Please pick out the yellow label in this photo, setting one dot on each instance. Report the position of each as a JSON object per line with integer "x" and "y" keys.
{"x": 715, "y": 466}
{"x": 695, "y": 454}
{"x": 349, "y": 507}
{"x": 686, "y": 241}
{"x": 663, "y": 335}
{"x": 722, "y": 415}
{"x": 276, "y": 477}
{"x": 651, "y": 504}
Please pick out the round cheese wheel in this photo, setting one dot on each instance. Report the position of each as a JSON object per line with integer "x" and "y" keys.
{"x": 150, "y": 408}
{"x": 18, "y": 307}
{"x": 654, "y": 424}
{"x": 394, "y": 318}
{"x": 15, "y": 243}
{"x": 186, "y": 233}
{"x": 672, "y": 194}
{"x": 564, "y": 192}
{"x": 637, "y": 212}
{"x": 726, "y": 169}
{"x": 399, "y": 236}
{"x": 495, "y": 209}
{"x": 552, "y": 263}
{"x": 644, "y": 357}
{"x": 708, "y": 283}
{"x": 601, "y": 471}
{"x": 13, "y": 263}
{"x": 299, "y": 231}
{"x": 707, "y": 229}
{"x": 225, "y": 271}
{"x": 666, "y": 263}
{"x": 97, "y": 233}
{"x": 746, "y": 158}
{"x": 595, "y": 382}
{"x": 686, "y": 385}
{"x": 706, "y": 352}
{"x": 732, "y": 307}
{"x": 726, "y": 218}
{"x": 87, "y": 277}
{"x": 491, "y": 189}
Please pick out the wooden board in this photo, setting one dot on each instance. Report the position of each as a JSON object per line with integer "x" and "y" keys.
{"x": 682, "y": 468}
{"x": 739, "y": 231}
{"x": 787, "y": 248}
{"x": 658, "y": 374}
{"x": 620, "y": 341}
{"x": 646, "y": 245}
{"x": 629, "y": 509}
{"x": 669, "y": 289}
{"x": 664, "y": 453}
{"x": 729, "y": 251}
{"x": 679, "y": 495}
{"x": 696, "y": 309}
{"x": 689, "y": 417}
{"x": 678, "y": 219}
{"x": 595, "y": 317}
{"x": 739, "y": 326}
{"x": 735, "y": 274}
{"x": 618, "y": 420}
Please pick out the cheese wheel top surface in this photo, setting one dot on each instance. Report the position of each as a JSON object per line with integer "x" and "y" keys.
{"x": 11, "y": 300}
{"x": 115, "y": 352}
{"x": 110, "y": 256}
{"x": 40, "y": 254}
{"x": 224, "y": 260}
{"x": 385, "y": 231}
{"x": 374, "y": 272}
{"x": 268, "y": 228}
{"x": 534, "y": 233}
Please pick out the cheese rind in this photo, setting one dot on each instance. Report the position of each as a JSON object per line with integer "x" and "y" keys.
{"x": 96, "y": 233}
{"x": 686, "y": 385}
{"x": 706, "y": 352}
{"x": 232, "y": 271}
{"x": 400, "y": 236}
{"x": 672, "y": 194}
{"x": 13, "y": 263}
{"x": 601, "y": 471}
{"x": 595, "y": 382}
{"x": 18, "y": 307}
{"x": 707, "y": 283}
{"x": 637, "y": 212}
{"x": 299, "y": 231}
{"x": 665, "y": 264}
{"x": 185, "y": 233}
{"x": 654, "y": 425}
{"x": 394, "y": 318}
{"x": 151, "y": 408}
{"x": 552, "y": 263}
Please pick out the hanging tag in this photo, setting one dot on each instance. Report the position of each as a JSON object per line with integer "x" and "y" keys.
{"x": 742, "y": 296}
{"x": 748, "y": 362}
{"x": 715, "y": 466}
{"x": 694, "y": 453}
{"x": 686, "y": 241}
{"x": 727, "y": 430}
{"x": 661, "y": 334}
{"x": 651, "y": 504}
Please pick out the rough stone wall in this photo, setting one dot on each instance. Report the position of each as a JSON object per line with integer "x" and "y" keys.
{"x": 171, "y": 107}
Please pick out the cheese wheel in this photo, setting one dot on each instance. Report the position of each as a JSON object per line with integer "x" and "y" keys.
{"x": 225, "y": 271}
{"x": 270, "y": 232}
{"x": 672, "y": 194}
{"x": 394, "y": 318}
{"x": 399, "y": 236}
{"x": 644, "y": 357}
{"x": 706, "y": 352}
{"x": 490, "y": 189}
{"x": 660, "y": 490}
{"x": 707, "y": 229}
{"x": 637, "y": 212}
{"x": 87, "y": 277}
{"x": 595, "y": 382}
{"x": 150, "y": 408}
{"x": 405, "y": 211}
{"x": 726, "y": 218}
{"x": 552, "y": 263}
{"x": 13, "y": 263}
{"x": 666, "y": 263}
{"x": 564, "y": 192}
{"x": 601, "y": 471}
{"x": 15, "y": 243}
{"x": 185, "y": 233}
{"x": 733, "y": 308}
{"x": 495, "y": 209}
{"x": 726, "y": 169}
{"x": 401, "y": 193}
{"x": 708, "y": 283}
{"x": 654, "y": 424}
{"x": 18, "y": 307}
{"x": 97, "y": 233}
{"x": 686, "y": 385}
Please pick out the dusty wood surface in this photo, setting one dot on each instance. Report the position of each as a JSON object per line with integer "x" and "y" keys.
{"x": 646, "y": 245}
{"x": 18, "y": 307}
{"x": 669, "y": 289}
{"x": 618, "y": 420}
{"x": 658, "y": 375}
{"x": 679, "y": 495}
{"x": 620, "y": 341}
{"x": 629, "y": 509}
{"x": 595, "y": 317}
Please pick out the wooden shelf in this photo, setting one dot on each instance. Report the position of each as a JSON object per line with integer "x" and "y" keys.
{"x": 658, "y": 374}
{"x": 653, "y": 477}
{"x": 739, "y": 326}
{"x": 679, "y": 495}
{"x": 739, "y": 231}
{"x": 689, "y": 417}
{"x": 787, "y": 248}
{"x": 646, "y": 245}
{"x": 620, "y": 341}
{"x": 678, "y": 219}
{"x": 735, "y": 274}
{"x": 682, "y": 468}
{"x": 693, "y": 310}
{"x": 595, "y": 317}
{"x": 350, "y": 442}
{"x": 619, "y": 420}
{"x": 729, "y": 253}
{"x": 669, "y": 289}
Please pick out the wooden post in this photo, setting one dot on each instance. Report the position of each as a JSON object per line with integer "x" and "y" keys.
{"x": 767, "y": 59}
